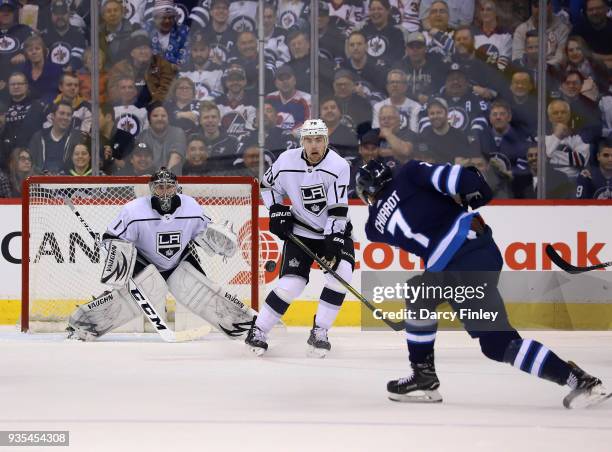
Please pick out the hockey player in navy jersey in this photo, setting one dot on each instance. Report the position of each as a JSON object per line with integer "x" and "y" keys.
{"x": 315, "y": 179}
{"x": 416, "y": 209}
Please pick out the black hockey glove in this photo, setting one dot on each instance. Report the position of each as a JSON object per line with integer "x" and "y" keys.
{"x": 480, "y": 197}
{"x": 281, "y": 221}
{"x": 333, "y": 249}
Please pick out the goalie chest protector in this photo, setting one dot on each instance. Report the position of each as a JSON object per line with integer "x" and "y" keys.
{"x": 161, "y": 239}
{"x": 312, "y": 189}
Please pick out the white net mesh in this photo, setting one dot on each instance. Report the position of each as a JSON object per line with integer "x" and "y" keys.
{"x": 64, "y": 261}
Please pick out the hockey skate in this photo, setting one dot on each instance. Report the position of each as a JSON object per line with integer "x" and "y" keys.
{"x": 586, "y": 389}
{"x": 319, "y": 344}
{"x": 256, "y": 340}
{"x": 420, "y": 387}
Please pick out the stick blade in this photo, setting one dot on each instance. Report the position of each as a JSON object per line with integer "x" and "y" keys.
{"x": 559, "y": 262}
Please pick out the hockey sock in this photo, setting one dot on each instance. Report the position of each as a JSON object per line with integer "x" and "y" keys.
{"x": 420, "y": 343}
{"x": 532, "y": 357}
{"x": 271, "y": 312}
{"x": 329, "y": 306}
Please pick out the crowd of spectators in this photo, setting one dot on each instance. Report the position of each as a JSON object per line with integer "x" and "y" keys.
{"x": 441, "y": 81}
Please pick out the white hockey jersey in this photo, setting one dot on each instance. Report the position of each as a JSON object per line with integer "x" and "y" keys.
{"x": 161, "y": 239}
{"x": 318, "y": 193}
{"x": 207, "y": 83}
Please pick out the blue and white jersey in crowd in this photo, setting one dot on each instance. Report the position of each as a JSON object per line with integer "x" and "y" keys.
{"x": 417, "y": 213}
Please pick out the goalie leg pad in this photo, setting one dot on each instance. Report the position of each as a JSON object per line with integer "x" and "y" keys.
{"x": 115, "y": 308}
{"x": 210, "y": 301}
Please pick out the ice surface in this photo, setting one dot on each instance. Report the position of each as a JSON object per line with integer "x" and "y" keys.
{"x": 136, "y": 393}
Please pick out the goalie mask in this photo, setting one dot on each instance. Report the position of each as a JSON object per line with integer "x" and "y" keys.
{"x": 164, "y": 191}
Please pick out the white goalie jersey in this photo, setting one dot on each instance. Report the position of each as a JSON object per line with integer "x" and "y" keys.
{"x": 161, "y": 239}
{"x": 318, "y": 193}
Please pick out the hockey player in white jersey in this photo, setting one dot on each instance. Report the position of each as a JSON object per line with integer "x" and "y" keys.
{"x": 153, "y": 241}
{"x": 315, "y": 179}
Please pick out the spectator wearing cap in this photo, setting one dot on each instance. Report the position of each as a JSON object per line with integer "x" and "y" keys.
{"x": 220, "y": 36}
{"x": 12, "y": 34}
{"x": 245, "y": 54}
{"x": 237, "y": 107}
{"x": 565, "y": 148}
{"x": 466, "y": 111}
{"x": 485, "y": 79}
{"x": 168, "y": 38}
{"x": 384, "y": 39}
{"x": 331, "y": 34}
{"x": 203, "y": 72}
{"x": 275, "y": 38}
{"x": 425, "y": 72}
{"x": 222, "y": 148}
{"x": 140, "y": 162}
{"x": 129, "y": 116}
{"x": 596, "y": 29}
{"x": 115, "y": 31}
{"x": 439, "y": 32}
{"x": 557, "y": 32}
{"x": 341, "y": 138}
{"x": 356, "y": 110}
{"x": 299, "y": 48}
{"x": 458, "y": 12}
{"x": 291, "y": 104}
{"x": 596, "y": 182}
{"x": 166, "y": 141}
{"x": 506, "y": 146}
{"x": 369, "y": 74}
{"x": 193, "y": 13}
{"x": 152, "y": 74}
{"x": 444, "y": 142}
{"x": 396, "y": 142}
{"x": 558, "y": 185}
{"x": 397, "y": 88}
{"x": 182, "y": 106}
{"x": 369, "y": 149}
{"x": 66, "y": 43}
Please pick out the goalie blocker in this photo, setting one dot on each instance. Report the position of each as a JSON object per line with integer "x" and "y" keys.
{"x": 133, "y": 251}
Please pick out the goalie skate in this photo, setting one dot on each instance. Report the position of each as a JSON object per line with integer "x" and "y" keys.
{"x": 586, "y": 389}
{"x": 318, "y": 342}
{"x": 421, "y": 387}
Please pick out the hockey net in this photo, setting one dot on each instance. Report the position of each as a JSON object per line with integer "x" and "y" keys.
{"x": 61, "y": 263}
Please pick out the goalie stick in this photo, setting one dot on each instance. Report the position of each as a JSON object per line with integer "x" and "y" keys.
{"x": 395, "y": 326}
{"x": 569, "y": 268}
{"x": 143, "y": 301}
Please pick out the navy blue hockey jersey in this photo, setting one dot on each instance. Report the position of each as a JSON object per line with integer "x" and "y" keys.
{"x": 416, "y": 211}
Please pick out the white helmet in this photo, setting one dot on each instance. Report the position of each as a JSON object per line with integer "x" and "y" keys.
{"x": 314, "y": 127}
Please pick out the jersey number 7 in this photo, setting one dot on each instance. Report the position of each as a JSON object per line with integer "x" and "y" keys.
{"x": 398, "y": 220}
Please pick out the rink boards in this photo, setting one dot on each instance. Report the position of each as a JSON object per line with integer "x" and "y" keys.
{"x": 521, "y": 231}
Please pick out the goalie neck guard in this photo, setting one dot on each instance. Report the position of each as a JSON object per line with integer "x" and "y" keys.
{"x": 164, "y": 191}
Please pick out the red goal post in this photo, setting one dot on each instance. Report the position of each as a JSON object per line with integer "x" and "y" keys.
{"x": 61, "y": 263}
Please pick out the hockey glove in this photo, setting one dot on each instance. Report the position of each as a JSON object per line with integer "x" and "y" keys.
{"x": 281, "y": 221}
{"x": 480, "y": 197}
{"x": 334, "y": 243}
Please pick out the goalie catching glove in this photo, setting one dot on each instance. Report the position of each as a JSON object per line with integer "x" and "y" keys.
{"x": 120, "y": 261}
{"x": 218, "y": 239}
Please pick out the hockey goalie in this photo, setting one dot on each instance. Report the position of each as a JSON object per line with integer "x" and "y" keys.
{"x": 132, "y": 258}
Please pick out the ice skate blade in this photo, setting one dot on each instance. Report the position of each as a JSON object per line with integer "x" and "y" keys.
{"x": 417, "y": 397}
{"x": 257, "y": 351}
{"x": 314, "y": 352}
{"x": 586, "y": 399}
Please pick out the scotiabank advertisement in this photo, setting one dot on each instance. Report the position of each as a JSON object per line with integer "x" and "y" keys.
{"x": 580, "y": 232}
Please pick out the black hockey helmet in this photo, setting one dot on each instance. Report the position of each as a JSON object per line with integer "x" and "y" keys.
{"x": 164, "y": 190}
{"x": 371, "y": 179}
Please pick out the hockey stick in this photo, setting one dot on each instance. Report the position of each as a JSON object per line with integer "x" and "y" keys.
{"x": 143, "y": 302}
{"x": 395, "y": 326}
{"x": 569, "y": 268}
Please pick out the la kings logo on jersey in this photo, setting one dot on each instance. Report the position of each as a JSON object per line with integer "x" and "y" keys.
{"x": 168, "y": 244}
{"x": 314, "y": 198}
